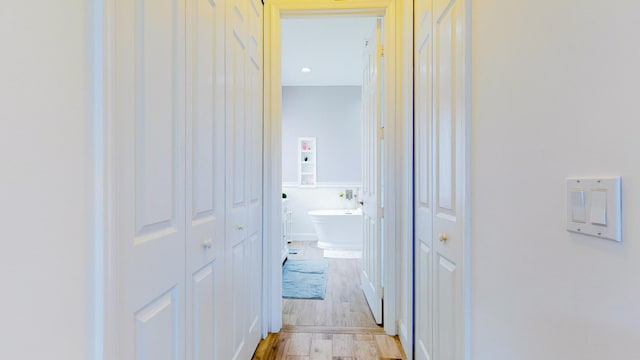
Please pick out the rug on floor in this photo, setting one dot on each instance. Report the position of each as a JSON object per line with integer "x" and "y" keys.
{"x": 304, "y": 279}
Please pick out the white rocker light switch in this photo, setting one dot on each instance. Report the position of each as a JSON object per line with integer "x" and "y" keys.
{"x": 599, "y": 207}
{"x": 579, "y": 213}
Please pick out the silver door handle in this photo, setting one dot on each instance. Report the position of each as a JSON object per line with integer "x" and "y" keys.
{"x": 239, "y": 226}
{"x": 207, "y": 244}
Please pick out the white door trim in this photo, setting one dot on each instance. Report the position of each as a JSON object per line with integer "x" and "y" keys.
{"x": 274, "y": 11}
{"x": 466, "y": 218}
{"x": 106, "y": 276}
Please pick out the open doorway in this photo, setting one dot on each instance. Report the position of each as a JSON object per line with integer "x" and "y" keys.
{"x": 390, "y": 103}
{"x": 332, "y": 146}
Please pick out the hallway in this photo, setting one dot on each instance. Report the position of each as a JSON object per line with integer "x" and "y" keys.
{"x": 129, "y": 123}
{"x": 338, "y": 327}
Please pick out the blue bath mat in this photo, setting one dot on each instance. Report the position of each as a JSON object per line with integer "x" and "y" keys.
{"x": 304, "y": 279}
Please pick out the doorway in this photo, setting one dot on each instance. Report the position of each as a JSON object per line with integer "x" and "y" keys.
{"x": 331, "y": 151}
{"x": 275, "y": 12}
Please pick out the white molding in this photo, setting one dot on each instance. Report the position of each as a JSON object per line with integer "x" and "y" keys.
{"x": 274, "y": 11}
{"x": 403, "y": 333}
{"x": 466, "y": 249}
{"x": 322, "y": 185}
{"x": 404, "y": 296}
{"x": 304, "y": 237}
{"x": 272, "y": 299}
{"x": 106, "y": 275}
{"x": 392, "y": 149}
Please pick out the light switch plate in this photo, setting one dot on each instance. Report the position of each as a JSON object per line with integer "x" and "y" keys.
{"x": 603, "y": 216}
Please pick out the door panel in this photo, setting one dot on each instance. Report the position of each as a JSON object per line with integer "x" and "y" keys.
{"x": 423, "y": 173}
{"x": 238, "y": 300}
{"x": 149, "y": 128}
{"x": 424, "y": 302}
{"x": 446, "y": 112}
{"x": 372, "y": 210}
{"x": 205, "y": 204}
{"x": 254, "y": 171}
{"x": 449, "y": 187}
{"x": 204, "y": 338}
{"x": 446, "y": 321}
{"x": 236, "y": 116}
{"x": 439, "y": 179}
{"x": 157, "y": 151}
{"x": 254, "y": 290}
{"x": 157, "y": 329}
{"x": 244, "y": 173}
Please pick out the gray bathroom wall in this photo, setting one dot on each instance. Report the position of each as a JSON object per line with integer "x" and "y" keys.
{"x": 333, "y": 114}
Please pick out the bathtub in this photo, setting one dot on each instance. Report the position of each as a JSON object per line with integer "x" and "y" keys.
{"x": 338, "y": 229}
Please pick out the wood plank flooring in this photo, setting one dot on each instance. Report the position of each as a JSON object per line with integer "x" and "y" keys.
{"x": 293, "y": 343}
{"x": 338, "y": 327}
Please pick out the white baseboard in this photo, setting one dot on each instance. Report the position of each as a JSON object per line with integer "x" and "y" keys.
{"x": 323, "y": 185}
{"x": 405, "y": 341}
{"x": 304, "y": 237}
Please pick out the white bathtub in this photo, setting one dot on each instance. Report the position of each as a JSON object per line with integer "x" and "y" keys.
{"x": 338, "y": 229}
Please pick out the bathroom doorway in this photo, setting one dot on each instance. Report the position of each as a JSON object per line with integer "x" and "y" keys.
{"x": 278, "y": 14}
{"x": 331, "y": 152}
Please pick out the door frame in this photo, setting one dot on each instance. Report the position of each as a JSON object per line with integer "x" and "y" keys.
{"x": 275, "y": 10}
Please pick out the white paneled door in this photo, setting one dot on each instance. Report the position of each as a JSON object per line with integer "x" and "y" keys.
{"x": 150, "y": 125}
{"x": 243, "y": 252}
{"x": 372, "y": 155}
{"x": 205, "y": 168}
{"x": 449, "y": 181}
{"x": 440, "y": 179}
{"x": 188, "y": 129}
{"x": 423, "y": 173}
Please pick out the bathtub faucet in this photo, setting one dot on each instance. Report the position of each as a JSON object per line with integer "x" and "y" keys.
{"x": 349, "y": 194}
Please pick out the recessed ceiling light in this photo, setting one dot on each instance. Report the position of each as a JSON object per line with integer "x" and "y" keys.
{"x": 306, "y": 69}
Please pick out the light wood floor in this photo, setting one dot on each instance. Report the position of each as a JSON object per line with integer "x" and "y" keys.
{"x": 338, "y": 327}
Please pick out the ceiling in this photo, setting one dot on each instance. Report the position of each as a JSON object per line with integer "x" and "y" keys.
{"x": 330, "y": 46}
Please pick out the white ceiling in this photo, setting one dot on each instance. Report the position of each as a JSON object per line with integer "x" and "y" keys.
{"x": 331, "y": 47}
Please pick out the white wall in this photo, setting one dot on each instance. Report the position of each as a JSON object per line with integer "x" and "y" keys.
{"x": 304, "y": 199}
{"x": 333, "y": 114}
{"x": 555, "y": 94}
{"x": 46, "y": 184}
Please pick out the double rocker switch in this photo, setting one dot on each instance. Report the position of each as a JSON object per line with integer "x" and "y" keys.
{"x": 597, "y": 214}
{"x": 594, "y": 207}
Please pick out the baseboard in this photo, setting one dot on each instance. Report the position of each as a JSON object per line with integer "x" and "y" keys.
{"x": 405, "y": 340}
{"x": 347, "y": 185}
{"x": 331, "y": 329}
{"x": 303, "y": 237}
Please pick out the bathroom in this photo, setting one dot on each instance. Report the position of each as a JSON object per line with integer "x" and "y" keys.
{"x": 322, "y": 112}
{"x": 330, "y": 117}
{"x": 322, "y": 163}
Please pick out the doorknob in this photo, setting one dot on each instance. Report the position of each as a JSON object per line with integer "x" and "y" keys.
{"x": 444, "y": 237}
{"x": 207, "y": 244}
{"x": 239, "y": 226}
